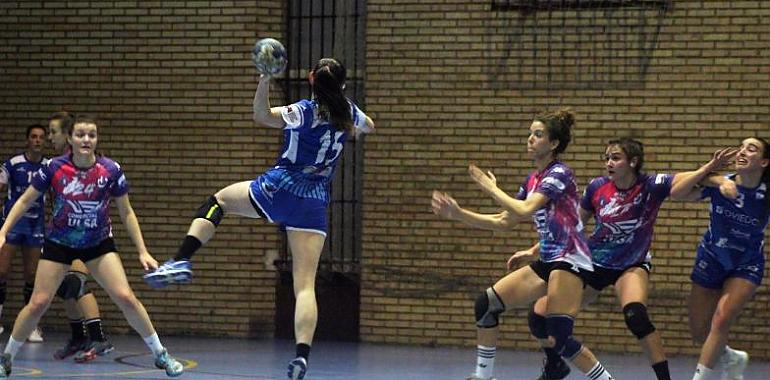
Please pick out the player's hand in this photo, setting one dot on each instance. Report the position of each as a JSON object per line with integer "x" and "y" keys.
{"x": 444, "y": 205}
{"x": 721, "y": 159}
{"x": 2, "y": 241}
{"x": 521, "y": 257}
{"x": 729, "y": 189}
{"x": 148, "y": 262}
{"x": 486, "y": 181}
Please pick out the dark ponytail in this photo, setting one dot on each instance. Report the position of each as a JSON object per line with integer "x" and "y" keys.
{"x": 559, "y": 125}
{"x": 328, "y": 85}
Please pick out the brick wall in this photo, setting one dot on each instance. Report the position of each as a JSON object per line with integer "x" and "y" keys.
{"x": 453, "y": 82}
{"x": 172, "y": 83}
{"x": 448, "y": 83}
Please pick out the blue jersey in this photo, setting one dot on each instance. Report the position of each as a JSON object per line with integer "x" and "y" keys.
{"x": 81, "y": 202}
{"x": 311, "y": 148}
{"x": 736, "y": 230}
{"x": 557, "y": 222}
{"x": 624, "y": 219}
{"x": 17, "y": 174}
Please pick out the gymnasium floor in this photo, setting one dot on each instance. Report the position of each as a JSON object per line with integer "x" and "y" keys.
{"x": 209, "y": 359}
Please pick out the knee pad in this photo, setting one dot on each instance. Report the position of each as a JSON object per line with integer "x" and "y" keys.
{"x": 488, "y": 308}
{"x": 537, "y": 325}
{"x": 211, "y": 211}
{"x": 74, "y": 286}
{"x": 637, "y": 320}
{"x": 560, "y": 328}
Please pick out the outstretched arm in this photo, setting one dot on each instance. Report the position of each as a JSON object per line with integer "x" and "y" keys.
{"x": 685, "y": 185}
{"x": 263, "y": 114}
{"x": 447, "y": 207}
{"x": 128, "y": 217}
{"x": 521, "y": 209}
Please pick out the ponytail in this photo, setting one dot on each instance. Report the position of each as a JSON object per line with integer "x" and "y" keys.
{"x": 328, "y": 88}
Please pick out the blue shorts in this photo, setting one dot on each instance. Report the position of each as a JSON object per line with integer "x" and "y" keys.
{"x": 286, "y": 209}
{"x": 710, "y": 273}
{"x": 28, "y": 232}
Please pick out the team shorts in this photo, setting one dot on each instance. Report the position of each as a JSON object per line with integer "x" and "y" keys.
{"x": 543, "y": 269}
{"x": 65, "y": 255}
{"x": 290, "y": 211}
{"x": 28, "y": 232}
{"x": 601, "y": 278}
{"x": 710, "y": 273}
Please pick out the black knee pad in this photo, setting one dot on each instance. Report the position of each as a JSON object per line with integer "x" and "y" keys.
{"x": 211, "y": 211}
{"x": 537, "y": 325}
{"x": 560, "y": 328}
{"x": 73, "y": 286}
{"x": 488, "y": 308}
{"x": 637, "y": 320}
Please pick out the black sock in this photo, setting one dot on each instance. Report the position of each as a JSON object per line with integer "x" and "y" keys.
{"x": 188, "y": 248}
{"x": 28, "y": 288}
{"x": 95, "y": 332}
{"x": 303, "y": 350}
{"x": 3, "y": 291}
{"x": 552, "y": 357}
{"x": 78, "y": 330}
{"x": 661, "y": 370}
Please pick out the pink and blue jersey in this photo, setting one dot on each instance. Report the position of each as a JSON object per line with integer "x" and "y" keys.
{"x": 557, "y": 222}
{"x": 81, "y": 200}
{"x": 736, "y": 230}
{"x": 310, "y": 150}
{"x": 624, "y": 219}
{"x": 17, "y": 174}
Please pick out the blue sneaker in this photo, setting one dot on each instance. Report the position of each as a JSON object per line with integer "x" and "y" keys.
{"x": 5, "y": 365}
{"x": 171, "y": 272}
{"x": 297, "y": 369}
{"x": 167, "y": 362}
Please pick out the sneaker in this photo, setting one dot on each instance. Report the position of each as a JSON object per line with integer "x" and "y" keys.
{"x": 171, "y": 272}
{"x": 735, "y": 362}
{"x": 93, "y": 350}
{"x": 5, "y": 365}
{"x": 297, "y": 369}
{"x": 70, "y": 348}
{"x": 167, "y": 362}
{"x": 474, "y": 377}
{"x": 556, "y": 371}
{"x": 36, "y": 336}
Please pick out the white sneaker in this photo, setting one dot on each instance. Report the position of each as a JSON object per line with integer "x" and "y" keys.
{"x": 36, "y": 336}
{"x": 735, "y": 362}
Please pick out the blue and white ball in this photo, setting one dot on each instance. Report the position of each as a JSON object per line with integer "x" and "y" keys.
{"x": 269, "y": 56}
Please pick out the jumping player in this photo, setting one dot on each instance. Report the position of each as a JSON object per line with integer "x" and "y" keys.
{"x": 294, "y": 193}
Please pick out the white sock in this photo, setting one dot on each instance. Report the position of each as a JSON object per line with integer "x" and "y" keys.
{"x": 598, "y": 373}
{"x": 153, "y": 342}
{"x": 485, "y": 361}
{"x": 702, "y": 372}
{"x": 13, "y": 347}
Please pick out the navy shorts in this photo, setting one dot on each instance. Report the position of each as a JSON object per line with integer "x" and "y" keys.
{"x": 286, "y": 209}
{"x": 601, "y": 278}
{"x": 65, "y": 255}
{"x": 28, "y": 232}
{"x": 710, "y": 273}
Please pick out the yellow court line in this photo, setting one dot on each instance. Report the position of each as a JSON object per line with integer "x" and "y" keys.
{"x": 188, "y": 364}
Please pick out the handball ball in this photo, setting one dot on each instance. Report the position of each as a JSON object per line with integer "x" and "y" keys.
{"x": 269, "y": 56}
